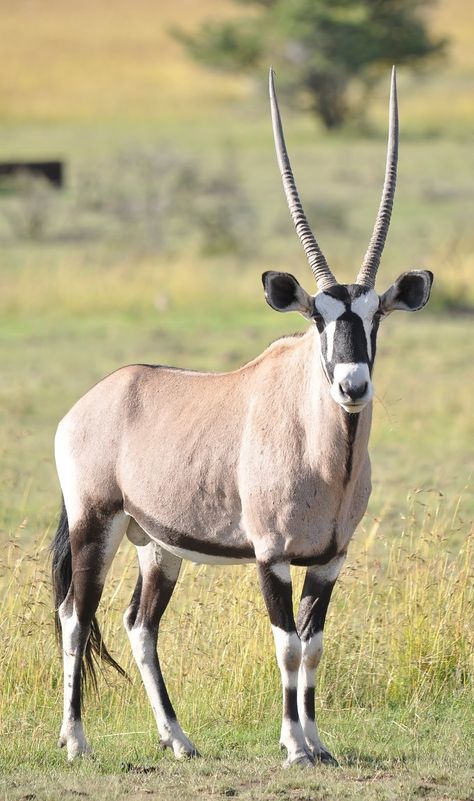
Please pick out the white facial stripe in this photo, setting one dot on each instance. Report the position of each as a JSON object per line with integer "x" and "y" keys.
{"x": 329, "y": 307}
{"x": 365, "y": 307}
{"x": 368, "y": 330}
{"x": 330, "y": 331}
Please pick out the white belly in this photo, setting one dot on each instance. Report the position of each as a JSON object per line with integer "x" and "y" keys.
{"x": 203, "y": 558}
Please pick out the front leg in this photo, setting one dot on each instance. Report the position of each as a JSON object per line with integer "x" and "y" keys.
{"x": 317, "y": 589}
{"x": 275, "y": 583}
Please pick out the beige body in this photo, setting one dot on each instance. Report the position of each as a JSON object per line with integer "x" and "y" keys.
{"x": 251, "y": 460}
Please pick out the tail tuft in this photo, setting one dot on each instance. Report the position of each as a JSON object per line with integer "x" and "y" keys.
{"x": 61, "y": 568}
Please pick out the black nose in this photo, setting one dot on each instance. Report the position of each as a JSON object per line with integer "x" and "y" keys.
{"x": 351, "y": 391}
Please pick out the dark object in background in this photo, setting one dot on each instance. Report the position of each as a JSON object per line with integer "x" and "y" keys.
{"x": 53, "y": 171}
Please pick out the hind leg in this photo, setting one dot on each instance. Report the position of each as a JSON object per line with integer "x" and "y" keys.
{"x": 94, "y": 539}
{"x": 159, "y": 572}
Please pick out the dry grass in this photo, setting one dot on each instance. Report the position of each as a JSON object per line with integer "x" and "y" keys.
{"x": 83, "y": 60}
{"x": 88, "y": 59}
{"x": 399, "y": 636}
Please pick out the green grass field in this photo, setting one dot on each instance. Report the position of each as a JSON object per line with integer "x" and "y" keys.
{"x": 92, "y": 289}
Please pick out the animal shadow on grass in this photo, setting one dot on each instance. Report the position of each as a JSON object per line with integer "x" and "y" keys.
{"x": 129, "y": 767}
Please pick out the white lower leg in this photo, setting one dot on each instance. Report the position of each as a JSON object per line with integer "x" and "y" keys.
{"x": 144, "y": 651}
{"x": 288, "y": 651}
{"x": 311, "y": 656}
{"x": 72, "y": 732}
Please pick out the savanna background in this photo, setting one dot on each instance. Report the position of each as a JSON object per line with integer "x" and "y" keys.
{"x": 152, "y": 252}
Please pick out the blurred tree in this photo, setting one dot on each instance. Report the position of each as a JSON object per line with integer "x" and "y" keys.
{"x": 325, "y": 47}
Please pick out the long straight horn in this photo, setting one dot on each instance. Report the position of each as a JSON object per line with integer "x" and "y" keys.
{"x": 370, "y": 265}
{"x": 317, "y": 262}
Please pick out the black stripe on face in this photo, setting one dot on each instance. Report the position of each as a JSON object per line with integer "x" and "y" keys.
{"x": 350, "y": 342}
{"x": 349, "y": 337}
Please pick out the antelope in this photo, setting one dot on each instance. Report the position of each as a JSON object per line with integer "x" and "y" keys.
{"x": 265, "y": 464}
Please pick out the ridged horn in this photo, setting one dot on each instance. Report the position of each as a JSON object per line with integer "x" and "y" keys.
{"x": 370, "y": 265}
{"x": 316, "y": 259}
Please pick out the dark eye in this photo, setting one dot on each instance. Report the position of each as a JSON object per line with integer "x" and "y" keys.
{"x": 318, "y": 319}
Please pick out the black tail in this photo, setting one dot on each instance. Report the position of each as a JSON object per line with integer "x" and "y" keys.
{"x": 62, "y": 580}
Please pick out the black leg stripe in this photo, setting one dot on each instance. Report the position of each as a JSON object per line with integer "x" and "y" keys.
{"x": 165, "y": 699}
{"x": 278, "y": 598}
{"x": 76, "y": 691}
{"x": 309, "y": 706}
{"x": 149, "y": 601}
{"x": 134, "y": 606}
{"x": 290, "y": 703}
{"x": 313, "y": 607}
{"x": 76, "y": 676}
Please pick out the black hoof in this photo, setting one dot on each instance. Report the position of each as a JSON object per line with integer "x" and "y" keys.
{"x": 327, "y": 759}
{"x": 194, "y": 754}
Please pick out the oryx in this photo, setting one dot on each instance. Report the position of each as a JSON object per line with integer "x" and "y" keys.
{"x": 265, "y": 464}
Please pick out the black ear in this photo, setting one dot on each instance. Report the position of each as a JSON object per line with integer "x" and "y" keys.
{"x": 410, "y": 292}
{"x": 283, "y": 293}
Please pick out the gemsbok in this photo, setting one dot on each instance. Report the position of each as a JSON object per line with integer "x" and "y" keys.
{"x": 265, "y": 464}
